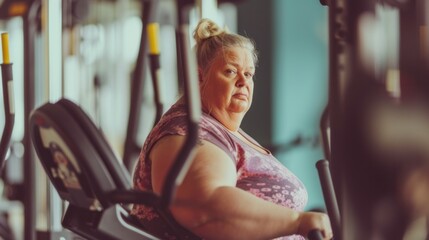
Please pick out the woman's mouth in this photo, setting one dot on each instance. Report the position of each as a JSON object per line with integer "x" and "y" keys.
{"x": 241, "y": 96}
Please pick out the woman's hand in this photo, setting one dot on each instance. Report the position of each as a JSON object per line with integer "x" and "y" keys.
{"x": 313, "y": 220}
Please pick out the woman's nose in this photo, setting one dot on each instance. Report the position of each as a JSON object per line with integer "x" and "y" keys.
{"x": 241, "y": 82}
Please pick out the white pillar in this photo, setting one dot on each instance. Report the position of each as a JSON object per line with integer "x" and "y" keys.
{"x": 52, "y": 30}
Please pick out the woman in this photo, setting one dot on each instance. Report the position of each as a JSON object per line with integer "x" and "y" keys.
{"x": 235, "y": 188}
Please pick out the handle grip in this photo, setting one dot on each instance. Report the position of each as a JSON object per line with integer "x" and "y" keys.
{"x": 329, "y": 195}
{"x": 315, "y": 235}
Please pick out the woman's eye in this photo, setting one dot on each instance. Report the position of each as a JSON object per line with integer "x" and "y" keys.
{"x": 248, "y": 74}
{"x": 230, "y": 72}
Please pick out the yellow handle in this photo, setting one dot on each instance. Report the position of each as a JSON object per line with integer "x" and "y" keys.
{"x": 152, "y": 32}
{"x": 5, "y": 47}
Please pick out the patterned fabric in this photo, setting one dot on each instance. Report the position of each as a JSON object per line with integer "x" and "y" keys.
{"x": 258, "y": 173}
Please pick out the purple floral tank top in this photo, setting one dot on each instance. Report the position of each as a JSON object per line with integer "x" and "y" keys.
{"x": 258, "y": 173}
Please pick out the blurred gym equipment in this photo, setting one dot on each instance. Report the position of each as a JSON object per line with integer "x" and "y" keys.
{"x": 377, "y": 103}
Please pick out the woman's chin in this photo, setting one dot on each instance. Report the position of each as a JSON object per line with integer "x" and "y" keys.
{"x": 239, "y": 108}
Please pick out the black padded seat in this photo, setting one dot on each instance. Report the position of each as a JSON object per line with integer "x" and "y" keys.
{"x": 86, "y": 173}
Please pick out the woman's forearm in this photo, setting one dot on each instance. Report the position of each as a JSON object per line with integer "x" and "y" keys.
{"x": 231, "y": 213}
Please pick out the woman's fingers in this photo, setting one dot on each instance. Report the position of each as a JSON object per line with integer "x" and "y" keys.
{"x": 315, "y": 221}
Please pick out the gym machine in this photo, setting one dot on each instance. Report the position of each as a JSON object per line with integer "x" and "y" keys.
{"x": 86, "y": 173}
{"x": 377, "y": 98}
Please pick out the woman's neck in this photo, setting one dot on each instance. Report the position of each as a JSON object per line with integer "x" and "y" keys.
{"x": 230, "y": 120}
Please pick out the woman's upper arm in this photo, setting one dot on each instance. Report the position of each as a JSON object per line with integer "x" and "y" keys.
{"x": 211, "y": 168}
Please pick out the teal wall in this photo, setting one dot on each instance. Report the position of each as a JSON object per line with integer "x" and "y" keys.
{"x": 300, "y": 85}
{"x": 291, "y": 81}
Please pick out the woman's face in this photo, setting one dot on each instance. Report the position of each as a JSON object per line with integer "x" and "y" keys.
{"x": 228, "y": 83}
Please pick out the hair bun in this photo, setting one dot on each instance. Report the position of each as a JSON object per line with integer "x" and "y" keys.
{"x": 206, "y": 29}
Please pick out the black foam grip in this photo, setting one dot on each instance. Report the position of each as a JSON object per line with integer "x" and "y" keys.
{"x": 315, "y": 235}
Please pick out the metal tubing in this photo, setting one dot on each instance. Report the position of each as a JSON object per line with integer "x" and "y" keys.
{"x": 186, "y": 62}
{"x": 30, "y": 31}
{"x": 329, "y": 195}
{"x": 131, "y": 147}
{"x": 154, "y": 70}
{"x": 9, "y": 111}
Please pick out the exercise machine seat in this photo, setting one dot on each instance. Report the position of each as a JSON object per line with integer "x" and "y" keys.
{"x": 86, "y": 173}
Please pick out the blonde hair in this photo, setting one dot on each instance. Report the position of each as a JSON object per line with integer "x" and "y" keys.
{"x": 210, "y": 38}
